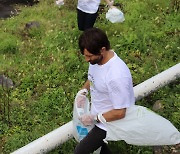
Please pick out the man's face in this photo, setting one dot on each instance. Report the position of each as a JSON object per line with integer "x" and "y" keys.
{"x": 92, "y": 59}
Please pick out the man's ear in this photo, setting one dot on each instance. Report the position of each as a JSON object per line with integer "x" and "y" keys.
{"x": 103, "y": 49}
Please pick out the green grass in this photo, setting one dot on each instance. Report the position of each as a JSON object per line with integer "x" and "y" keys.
{"x": 47, "y": 69}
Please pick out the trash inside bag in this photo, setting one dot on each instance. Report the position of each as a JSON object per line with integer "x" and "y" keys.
{"x": 79, "y": 130}
{"x": 115, "y": 15}
{"x": 141, "y": 126}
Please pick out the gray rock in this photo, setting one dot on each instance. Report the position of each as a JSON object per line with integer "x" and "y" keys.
{"x": 32, "y": 24}
{"x": 6, "y": 82}
{"x": 158, "y": 106}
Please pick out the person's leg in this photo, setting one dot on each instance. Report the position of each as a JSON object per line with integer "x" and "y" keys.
{"x": 90, "y": 20}
{"x": 105, "y": 149}
{"x": 91, "y": 142}
{"x": 81, "y": 19}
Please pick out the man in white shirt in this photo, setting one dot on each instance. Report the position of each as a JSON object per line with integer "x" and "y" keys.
{"x": 87, "y": 12}
{"x": 110, "y": 85}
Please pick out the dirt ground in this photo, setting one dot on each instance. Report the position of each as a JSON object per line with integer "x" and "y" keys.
{"x": 8, "y": 7}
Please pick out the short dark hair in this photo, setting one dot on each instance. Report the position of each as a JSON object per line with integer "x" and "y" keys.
{"x": 93, "y": 40}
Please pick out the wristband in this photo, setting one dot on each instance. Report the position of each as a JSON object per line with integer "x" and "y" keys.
{"x": 101, "y": 118}
{"x": 96, "y": 119}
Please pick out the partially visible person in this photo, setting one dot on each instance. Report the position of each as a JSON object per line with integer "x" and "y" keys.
{"x": 111, "y": 89}
{"x": 87, "y": 12}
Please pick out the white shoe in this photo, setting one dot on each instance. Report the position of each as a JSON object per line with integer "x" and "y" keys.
{"x": 59, "y": 2}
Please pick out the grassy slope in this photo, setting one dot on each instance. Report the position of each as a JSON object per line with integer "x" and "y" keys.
{"x": 47, "y": 69}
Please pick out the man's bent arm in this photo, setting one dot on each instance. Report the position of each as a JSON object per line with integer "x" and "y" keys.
{"x": 114, "y": 114}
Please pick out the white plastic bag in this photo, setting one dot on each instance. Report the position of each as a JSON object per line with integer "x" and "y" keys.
{"x": 79, "y": 130}
{"x": 141, "y": 126}
{"x": 115, "y": 15}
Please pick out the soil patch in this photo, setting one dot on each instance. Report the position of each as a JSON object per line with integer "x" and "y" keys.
{"x": 8, "y": 7}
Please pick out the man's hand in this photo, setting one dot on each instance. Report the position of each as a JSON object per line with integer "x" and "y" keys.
{"x": 111, "y": 3}
{"x": 87, "y": 119}
{"x": 80, "y": 99}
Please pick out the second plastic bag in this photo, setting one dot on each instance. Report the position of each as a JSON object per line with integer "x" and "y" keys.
{"x": 141, "y": 126}
{"x": 115, "y": 15}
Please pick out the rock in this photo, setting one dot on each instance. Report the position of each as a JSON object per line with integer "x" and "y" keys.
{"x": 32, "y": 24}
{"x": 6, "y": 82}
{"x": 157, "y": 106}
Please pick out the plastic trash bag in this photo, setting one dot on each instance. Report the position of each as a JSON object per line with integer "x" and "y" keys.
{"x": 79, "y": 130}
{"x": 141, "y": 126}
{"x": 115, "y": 15}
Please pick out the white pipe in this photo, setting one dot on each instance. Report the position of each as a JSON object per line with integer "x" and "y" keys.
{"x": 145, "y": 88}
{"x": 49, "y": 141}
{"x": 62, "y": 134}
